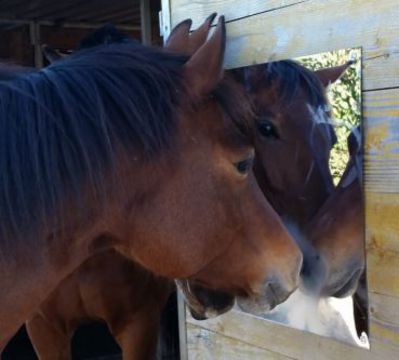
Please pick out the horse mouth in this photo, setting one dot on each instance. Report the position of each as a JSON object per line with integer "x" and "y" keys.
{"x": 205, "y": 303}
{"x": 271, "y": 296}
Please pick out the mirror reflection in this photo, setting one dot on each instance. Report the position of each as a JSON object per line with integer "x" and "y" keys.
{"x": 309, "y": 166}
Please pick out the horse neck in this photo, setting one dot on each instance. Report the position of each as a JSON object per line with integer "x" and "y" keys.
{"x": 32, "y": 271}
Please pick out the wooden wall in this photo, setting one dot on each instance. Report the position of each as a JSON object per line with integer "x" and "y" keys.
{"x": 261, "y": 31}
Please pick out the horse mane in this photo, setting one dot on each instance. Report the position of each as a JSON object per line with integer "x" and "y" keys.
{"x": 59, "y": 126}
{"x": 290, "y": 77}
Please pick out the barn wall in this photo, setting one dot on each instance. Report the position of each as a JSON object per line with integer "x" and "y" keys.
{"x": 15, "y": 46}
{"x": 261, "y": 31}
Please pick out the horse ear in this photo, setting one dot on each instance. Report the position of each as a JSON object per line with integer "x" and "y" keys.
{"x": 178, "y": 38}
{"x": 198, "y": 36}
{"x": 330, "y": 75}
{"x": 204, "y": 70}
{"x": 51, "y": 54}
{"x": 182, "y": 42}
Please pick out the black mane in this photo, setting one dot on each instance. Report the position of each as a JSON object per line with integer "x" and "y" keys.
{"x": 59, "y": 126}
{"x": 290, "y": 77}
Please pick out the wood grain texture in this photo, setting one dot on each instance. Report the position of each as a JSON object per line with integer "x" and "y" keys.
{"x": 286, "y": 29}
{"x": 231, "y": 9}
{"x": 381, "y": 163}
{"x": 292, "y": 343}
{"x": 382, "y": 243}
{"x": 204, "y": 344}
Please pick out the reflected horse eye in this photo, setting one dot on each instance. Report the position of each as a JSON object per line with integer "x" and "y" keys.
{"x": 244, "y": 166}
{"x": 268, "y": 129}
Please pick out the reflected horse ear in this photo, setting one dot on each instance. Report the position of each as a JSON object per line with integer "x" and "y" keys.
{"x": 330, "y": 75}
{"x": 182, "y": 42}
{"x": 51, "y": 54}
{"x": 204, "y": 70}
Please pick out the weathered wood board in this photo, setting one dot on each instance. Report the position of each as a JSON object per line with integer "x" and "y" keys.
{"x": 260, "y": 31}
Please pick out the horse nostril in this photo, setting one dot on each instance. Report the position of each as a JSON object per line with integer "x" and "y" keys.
{"x": 310, "y": 265}
{"x": 306, "y": 268}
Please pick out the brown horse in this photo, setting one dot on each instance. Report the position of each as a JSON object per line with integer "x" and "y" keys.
{"x": 132, "y": 310}
{"x": 295, "y": 135}
{"x": 129, "y": 132}
{"x": 337, "y": 232}
{"x": 55, "y": 319}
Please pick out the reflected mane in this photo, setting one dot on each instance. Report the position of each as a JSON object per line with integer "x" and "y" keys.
{"x": 290, "y": 77}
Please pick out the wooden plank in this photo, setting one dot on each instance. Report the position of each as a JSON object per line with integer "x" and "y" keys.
{"x": 382, "y": 243}
{"x": 381, "y": 163}
{"x": 145, "y": 22}
{"x": 304, "y": 28}
{"x": 164, "y": 19}
{"x": 204, "y": 344}
{"x": 181, "y": 313}
{"x": 384, "y": 319}
{"x": 290, "y": 342}
{"x": 231, "y": 9}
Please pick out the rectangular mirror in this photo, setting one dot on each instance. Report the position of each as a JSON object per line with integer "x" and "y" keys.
{"x": 309, "y": 166}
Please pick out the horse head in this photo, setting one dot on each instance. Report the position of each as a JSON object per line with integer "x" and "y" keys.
{"x": 337, "y": 233}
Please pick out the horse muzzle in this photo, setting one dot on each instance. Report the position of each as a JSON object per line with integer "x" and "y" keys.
{"x": 205, "y": 303}
{"x": 271, "y": 294}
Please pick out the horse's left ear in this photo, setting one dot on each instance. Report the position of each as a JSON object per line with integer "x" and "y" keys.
{"x": 182, "y": 42}
{"x": 204, "y": 70}
{"x": 330, "y": 75}
{"x": 51, "y": 54}
{"x": 178, "y": 38}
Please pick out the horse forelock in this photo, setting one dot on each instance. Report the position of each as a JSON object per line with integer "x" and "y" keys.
{"x": 237, "y": 106}
{"x": 288, "y": 78}
{"x": 59, "y": 126}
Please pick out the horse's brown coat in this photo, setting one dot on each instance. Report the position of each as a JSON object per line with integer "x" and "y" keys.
{"x": 189, "y": 213}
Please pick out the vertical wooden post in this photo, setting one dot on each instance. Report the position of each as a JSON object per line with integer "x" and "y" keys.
{"x": 181, "y": 310}
{"x": 164, "y": 19}
{"x": 34, "y": 31}
{"x": 145, "y": 22}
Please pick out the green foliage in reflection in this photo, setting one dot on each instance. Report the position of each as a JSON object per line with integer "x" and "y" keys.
{"x": 344, "y": 96}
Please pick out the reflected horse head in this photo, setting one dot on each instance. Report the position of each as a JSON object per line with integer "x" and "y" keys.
{"x": 294, "y": 135}
{"x": 337, "y": 233}
{"x": 151, "y": 148}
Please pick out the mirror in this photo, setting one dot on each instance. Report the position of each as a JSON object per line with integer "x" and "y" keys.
{"x": 309, "y": 166}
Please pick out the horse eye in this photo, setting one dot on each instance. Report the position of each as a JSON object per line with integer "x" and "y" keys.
{"x": 244, "y": 166}
{"x": 267, "y": 129}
